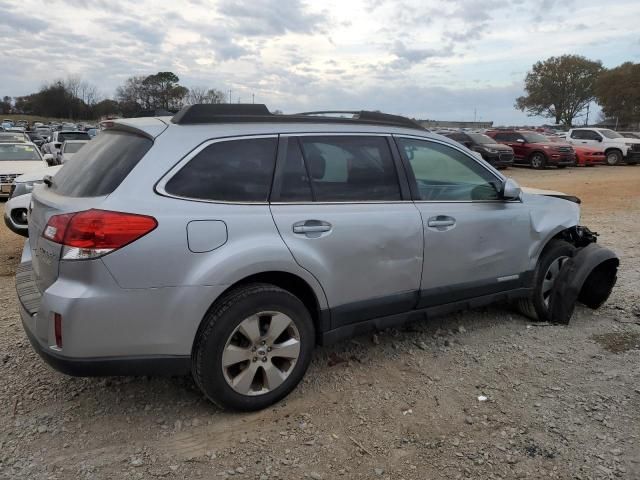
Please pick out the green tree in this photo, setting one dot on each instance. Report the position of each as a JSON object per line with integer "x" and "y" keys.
{"x": 618, "y": 93}
{"x": 560, "y": 88}
{"x": 5, "y": 105}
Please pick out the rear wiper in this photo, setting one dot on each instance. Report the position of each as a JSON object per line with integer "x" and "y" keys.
{"x": 48, "y": 180}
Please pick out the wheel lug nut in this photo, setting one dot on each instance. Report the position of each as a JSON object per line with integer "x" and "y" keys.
{"x": 268, "y": 349}
{"x": 263, "y": 342}
{"x": 264, "y": 359}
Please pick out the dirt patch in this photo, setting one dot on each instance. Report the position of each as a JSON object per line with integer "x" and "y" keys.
{"x": 617, "y": 342}
{"x": 401, "y": 404}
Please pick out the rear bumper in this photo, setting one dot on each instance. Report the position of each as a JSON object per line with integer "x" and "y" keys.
{"x": 160, "y": 365}
{"x": 108, "y": 330}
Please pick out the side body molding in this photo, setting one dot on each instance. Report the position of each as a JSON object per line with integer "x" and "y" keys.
{"x": 588, "y": 277}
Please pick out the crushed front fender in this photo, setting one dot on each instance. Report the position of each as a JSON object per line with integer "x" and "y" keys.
{"x": 588, "y": 277}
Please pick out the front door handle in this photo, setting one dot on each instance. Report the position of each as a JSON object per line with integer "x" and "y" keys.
{"x": 311, "y": 226}
{"x": 441, "y": 222}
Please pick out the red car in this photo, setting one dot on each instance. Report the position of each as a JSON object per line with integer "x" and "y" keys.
{"x": 534, "y": 149}
{"x": 588, "y": 157}
{"x": 585, "y": 156}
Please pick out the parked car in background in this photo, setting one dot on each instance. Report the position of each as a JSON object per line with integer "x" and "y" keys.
{"x": 534, "y": 149}
{"x": 496, "y": 154}
{"x": 58, "y": 137}
{"x": 617, "y": 149}
{"x": 44, "y": 132}
{"x": 227, "y": 242}
{"x": 92, "y": 132}
{"x": 585, "y": 156}
{"x": 15, "y": 210}
{"x": 15, "y": 160}
{"x": 37, "y": 139}
{"x": 68, "y": 149}
{"x": 630, "y": 134}
{"x": 14, "y": 137}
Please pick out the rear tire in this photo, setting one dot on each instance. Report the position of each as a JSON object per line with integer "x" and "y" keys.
{"x": 253, "y": 347}
{"x": 614, "y": 157}
{"x": 536, "y": 306}
{"x": 538, "y": 161}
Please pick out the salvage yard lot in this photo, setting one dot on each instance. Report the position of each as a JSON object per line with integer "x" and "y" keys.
{"x": 561, "y": 402}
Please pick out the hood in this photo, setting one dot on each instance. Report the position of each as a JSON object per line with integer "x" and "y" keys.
{"x": 550, "y": 193}
{"x": 624, "y": 140}
{"x": 19, "y": 167}
{"x": 36, "y": 175}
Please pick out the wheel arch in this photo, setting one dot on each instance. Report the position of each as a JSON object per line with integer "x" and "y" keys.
{"x": 576, "y": 235}
{"x": 294, "y": 284}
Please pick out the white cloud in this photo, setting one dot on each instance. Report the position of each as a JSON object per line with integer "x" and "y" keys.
{"x": 436, "y": 59}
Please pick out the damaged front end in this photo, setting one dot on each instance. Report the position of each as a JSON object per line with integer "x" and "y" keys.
{"x": 587, "y": 277}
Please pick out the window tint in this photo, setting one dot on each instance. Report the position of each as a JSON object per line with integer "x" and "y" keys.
{"x": 101, "y": 165}
{"x": 295, "y": 182}
{"x": 231, "y": 171}
{"x": 350, "y": 168}
{"x": 504, "y": 137}
{"x": 443, "y": 173}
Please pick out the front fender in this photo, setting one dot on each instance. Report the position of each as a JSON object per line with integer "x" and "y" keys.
{"x": 588, "y": 277}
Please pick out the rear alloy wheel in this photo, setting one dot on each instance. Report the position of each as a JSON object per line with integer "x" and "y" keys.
{"x": 253, "y": 347}
{"x": 538, "y": 161}
{"x": 536, "y": 306}
{"x": 614, "y": 157}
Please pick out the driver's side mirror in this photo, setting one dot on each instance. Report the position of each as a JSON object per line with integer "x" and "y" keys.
{"x": 50, "y": 159}
{"x": 599, "y": 139}
{"x": 510, "y": 190}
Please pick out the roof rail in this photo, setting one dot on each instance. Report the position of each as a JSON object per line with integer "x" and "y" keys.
{"x": 259, "y": 113}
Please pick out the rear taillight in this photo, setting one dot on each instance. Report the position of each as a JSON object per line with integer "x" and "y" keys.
{"x": 94, "y": 233}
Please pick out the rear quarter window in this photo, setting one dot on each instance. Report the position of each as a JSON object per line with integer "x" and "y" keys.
{"x": 228, "y": 171}
{"x": 101, "y": 165}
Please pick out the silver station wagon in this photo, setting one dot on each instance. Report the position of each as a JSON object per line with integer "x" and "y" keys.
{"x": 227, "y": 242}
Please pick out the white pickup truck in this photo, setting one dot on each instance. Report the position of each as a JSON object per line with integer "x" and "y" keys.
{"x": 617, "y": 149}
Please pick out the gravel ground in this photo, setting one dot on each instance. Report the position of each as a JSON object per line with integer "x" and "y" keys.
{"x": 481, "y": 394}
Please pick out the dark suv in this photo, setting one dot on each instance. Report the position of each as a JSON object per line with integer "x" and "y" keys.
{"x": 534, "y": 149}
{"x": 496, "y": 154}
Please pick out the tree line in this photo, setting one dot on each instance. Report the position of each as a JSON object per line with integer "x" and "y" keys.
{"x": 78, "y": 99}
{"x": 563, "y": 88}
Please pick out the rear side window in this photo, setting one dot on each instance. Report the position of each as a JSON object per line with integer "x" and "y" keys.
{"x": 228, "y": 171}
{"x": 350, "y": 168}
{"x": 101, "y": 165}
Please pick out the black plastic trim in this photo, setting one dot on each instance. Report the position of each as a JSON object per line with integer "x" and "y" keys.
{"x": 463, "y": 291}
{"x": 372, "y": 308}
{"x": 380, "y": 323}
{"x": 156, "y": 365}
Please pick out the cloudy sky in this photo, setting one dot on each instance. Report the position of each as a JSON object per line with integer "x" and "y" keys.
{"x": 423, "y": 58}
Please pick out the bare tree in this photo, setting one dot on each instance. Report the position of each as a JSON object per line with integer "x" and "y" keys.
{"x": 204, "y": 95}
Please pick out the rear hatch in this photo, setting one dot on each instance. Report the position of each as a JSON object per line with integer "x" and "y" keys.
{"x": 81, "y": 184}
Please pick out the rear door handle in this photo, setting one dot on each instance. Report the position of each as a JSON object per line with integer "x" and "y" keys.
{"x": 441, "y": 221}
{"x": 311, "y": 226}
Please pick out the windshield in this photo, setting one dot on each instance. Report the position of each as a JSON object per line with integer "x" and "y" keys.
{"x": 531, "y": 137}
{"x": 73, "y": 136}
{"x": 18, "y": 152}
{"x": 480, "y": 138}
{"x": 610, "y": 133}
{"x": 72, "y": 147}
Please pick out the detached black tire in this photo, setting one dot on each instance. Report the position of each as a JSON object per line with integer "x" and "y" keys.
{"x": 253, "y": 347}
{"x": 549, "y": 264}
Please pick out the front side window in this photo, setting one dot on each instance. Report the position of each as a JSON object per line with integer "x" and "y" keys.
{"x": 443, "y": 173}
{"x": 350, "y": 168}
{"x": 228, "y": 171}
